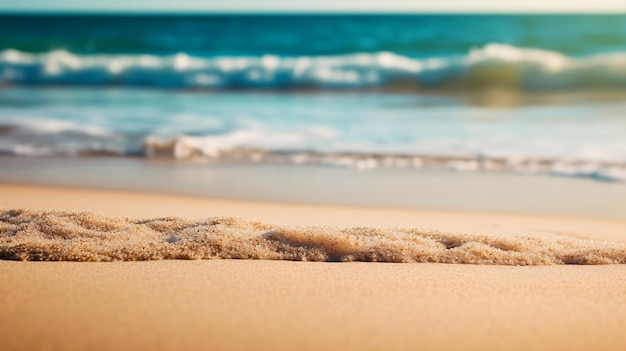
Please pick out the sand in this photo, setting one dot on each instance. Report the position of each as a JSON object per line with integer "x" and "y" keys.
{"x": 62, "y": 235}
{"x": 285, "y": 305}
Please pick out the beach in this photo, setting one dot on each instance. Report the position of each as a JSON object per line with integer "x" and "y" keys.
{"x": 265, "y": 305}
{"x": 307, "y": 181}
{"x": 252, "y": 304}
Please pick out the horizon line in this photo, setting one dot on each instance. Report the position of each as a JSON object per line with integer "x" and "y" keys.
{"x": 299, "y": 12}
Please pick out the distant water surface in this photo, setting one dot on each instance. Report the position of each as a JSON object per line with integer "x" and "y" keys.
{"x": 531, "y": 94}
{"x": 410, "y": 52}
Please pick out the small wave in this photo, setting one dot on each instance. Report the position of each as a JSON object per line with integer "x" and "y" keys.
{"x": 219, "y": 146}
{"x": 83, "y": 236}
{"x": 314, "y": 145}
{"x": 38, "y": 126}
{"x": 492, "y": 65}
{"x": 293, "y": 148}
{"x": 52, "y": 137}
{"x": 233, "y": 148}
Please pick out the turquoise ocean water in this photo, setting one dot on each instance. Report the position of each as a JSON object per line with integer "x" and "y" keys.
{"x": 531, "y": 94}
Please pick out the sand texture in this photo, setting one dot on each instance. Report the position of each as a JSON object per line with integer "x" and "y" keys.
{"x": 285, "y": 305}
{"x": 86, "y": 236}
{"x": 279, "y": 305}
{"x": 148, "y": 205}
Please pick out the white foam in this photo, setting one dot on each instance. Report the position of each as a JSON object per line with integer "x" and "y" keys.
{"x": 53, "y": 137}
{"x": 257, "y": 138}
{"x": 54, "y": 126}
{"x": 493, "y": 64}
{"x": 238, "y": 146}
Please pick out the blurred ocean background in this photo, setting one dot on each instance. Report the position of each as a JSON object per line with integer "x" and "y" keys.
{"x": 519, "y": 94}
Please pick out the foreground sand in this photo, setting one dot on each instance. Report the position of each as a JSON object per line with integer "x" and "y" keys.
{"x": 273, "y": 305}
{"x": 236, "y": 305}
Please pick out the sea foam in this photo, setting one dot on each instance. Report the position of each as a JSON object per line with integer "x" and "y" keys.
{"x": 494, "y": 64}
{"x": 84, "y": 236}
{"x": 41, "y": 138}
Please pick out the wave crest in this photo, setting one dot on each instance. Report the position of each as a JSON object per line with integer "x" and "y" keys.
{"x": 54, "y": 137}
{"x": 492, "y": 65}
{"x": 234, "y": 147}
{"x": 309, "y": 145}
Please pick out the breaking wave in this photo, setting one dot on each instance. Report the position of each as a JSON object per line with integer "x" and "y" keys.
{"x": 53, "y": 137}
{"x": 42, "y": 138}
{"x": 84, "y": 236}
{"x": 498, "y": 65}
{"x": 209, "y": 149}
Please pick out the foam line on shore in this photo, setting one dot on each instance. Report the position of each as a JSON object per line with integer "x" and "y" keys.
{"x": 85, "y": 236}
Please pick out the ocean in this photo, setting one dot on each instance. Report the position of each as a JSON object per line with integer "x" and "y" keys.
{"x": 535, "y": 95}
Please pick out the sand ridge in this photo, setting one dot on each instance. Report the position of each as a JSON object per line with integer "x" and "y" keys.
{"x": 87, "y": 236}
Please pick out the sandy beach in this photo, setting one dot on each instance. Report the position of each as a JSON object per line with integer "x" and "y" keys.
{"x": 252, "y": 304}
{"x": 269, "y": 305}
{"x": 326, "y": 175}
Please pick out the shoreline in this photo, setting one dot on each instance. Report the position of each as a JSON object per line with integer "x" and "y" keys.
{"x": 437, "y": 191}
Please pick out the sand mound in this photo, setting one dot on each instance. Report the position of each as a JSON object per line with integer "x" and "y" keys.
{"x": 85, "y": 236}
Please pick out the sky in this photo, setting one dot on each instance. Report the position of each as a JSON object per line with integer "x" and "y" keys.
{"x": 316, "y": 5}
